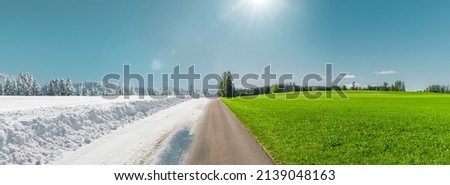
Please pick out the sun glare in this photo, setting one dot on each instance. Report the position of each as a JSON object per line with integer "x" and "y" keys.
{"x": 255, "y": 13}
{"x": 259, "y": 2}
{"x": 258, "y": 6}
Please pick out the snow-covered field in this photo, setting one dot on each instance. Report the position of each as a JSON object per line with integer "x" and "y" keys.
{"x": 39, "y": 130}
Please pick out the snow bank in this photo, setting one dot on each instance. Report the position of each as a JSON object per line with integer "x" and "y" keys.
{"x": 152, "y": 140}
{"x": 38, "y": 136}
{"x": 14, "y": 103}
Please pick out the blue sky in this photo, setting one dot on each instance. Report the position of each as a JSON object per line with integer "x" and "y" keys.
{"x": 375, "y": 41}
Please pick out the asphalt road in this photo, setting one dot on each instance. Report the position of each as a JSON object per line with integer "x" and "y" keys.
{"x": 221, "y": 139}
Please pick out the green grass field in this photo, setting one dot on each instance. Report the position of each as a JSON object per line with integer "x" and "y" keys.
{"x": 366, "y": 128}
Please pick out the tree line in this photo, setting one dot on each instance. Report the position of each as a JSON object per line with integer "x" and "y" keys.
{"x": 227, "y": 88}
{"x": 26, "y": 85}
{"x": 396, "y": 86}
{"x": 438, "y": 89}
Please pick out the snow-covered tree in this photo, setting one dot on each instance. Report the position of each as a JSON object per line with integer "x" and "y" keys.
{"x": 94, "y": 91}
{"x": 121, "y": 91}
{"x": 53, "y": 88}
{"x": 35, "y": 89}
{"x": 85, "y": 91}
{"x": 151, "y": 91}
{"x": 44, "y": 90}
{"x": 79, "y": 89}
{"x": 94, "y": 88}
{"x": 10, "y": 87}
{"x": 25, "y": 84}
{"x": 133, "y": 91}
{"x": 20, "y": 85}
{"x": 62, "y": 87}
{"x": 68, "y": 89}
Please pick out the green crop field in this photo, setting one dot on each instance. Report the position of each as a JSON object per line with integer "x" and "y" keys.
{"x": 365, "y": 128}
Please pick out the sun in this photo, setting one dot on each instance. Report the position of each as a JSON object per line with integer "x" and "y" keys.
{"x": 253, "y": 13}
{"x": 259, "y": 2}
{"x": 256, "y": 7}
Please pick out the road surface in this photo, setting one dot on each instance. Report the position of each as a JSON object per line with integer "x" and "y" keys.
{"x": 221, "y": 139}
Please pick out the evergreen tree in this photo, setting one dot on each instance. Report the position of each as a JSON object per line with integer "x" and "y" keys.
{"x": 79, "y": 90}
{"x": 35, "y": 89}
{"x": 10, "y": 87}
{"x": 191, "y": 90}
{"x": 85, "y": 91}
{"x": 68, "y": 87}
{"x": 150, "y": 91}
{"x": 62, "y": 88}
{"x": 226, "y": 87}
{"x": 53, "y": 88}
{"x": 25, "y": 84}
{"x": 133, "y": 91}
{"x": 45, "y": 90}
{"x": 94, "y": 91}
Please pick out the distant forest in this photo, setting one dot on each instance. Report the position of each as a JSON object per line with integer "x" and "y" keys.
{"x": 292, "y": 87}
{"x": 438, "y": 89}
{"x": 227, "y": 88}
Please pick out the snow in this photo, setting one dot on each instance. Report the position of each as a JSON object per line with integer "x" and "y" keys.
{"x": 2, "y": 138}
{"x": 11, "y": 103}
{"x": 38, "y": 130}
{"x": 143, "y": 142}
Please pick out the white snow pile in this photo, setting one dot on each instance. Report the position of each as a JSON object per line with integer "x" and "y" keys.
{"x": 40, "y": 135}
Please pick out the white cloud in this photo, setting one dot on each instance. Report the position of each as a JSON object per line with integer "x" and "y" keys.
{"x": 386, "y": 72}
{"x": 156, "y": 65}
{"x": 349, "y": 76}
